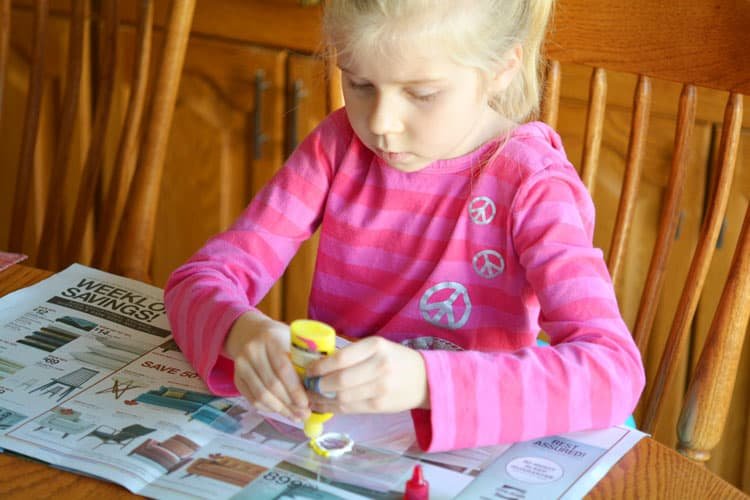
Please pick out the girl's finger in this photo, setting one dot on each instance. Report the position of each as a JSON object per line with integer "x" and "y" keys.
{"x": 364, "y": 398}
{"x": 365, "y": 372}
{"x": 268, "y": 377}
{"x": 344, "y": 358}
{"x": 284, "y": 371}
{"x": 258, "y": 391}
{"x": 245, "y": 391}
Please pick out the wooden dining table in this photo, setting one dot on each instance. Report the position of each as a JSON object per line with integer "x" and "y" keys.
{"x": 649, "y": 470}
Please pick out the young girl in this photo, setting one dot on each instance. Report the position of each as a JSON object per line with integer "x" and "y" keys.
{"x": 451, "y": 234}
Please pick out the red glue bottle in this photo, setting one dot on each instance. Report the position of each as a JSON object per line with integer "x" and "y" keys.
{"x": 416, "y": 487}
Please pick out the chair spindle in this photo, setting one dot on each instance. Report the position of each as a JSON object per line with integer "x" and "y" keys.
{"x": 30, "y": 131}
{"x": 95, "y": 158}
{"x": 633, "y": 168}
{"x": 127, "y": 152}
{"x": 699, "y": 266}
{"x": 669, "y": 217}
{"x": 136, "y": 234}
{"x": 551, "y": 98}
{"x": 50, "y": 245}
{"x": 592, "y": 140}
{"x": 4, "y": 44}
{"x": 708, "y": 398}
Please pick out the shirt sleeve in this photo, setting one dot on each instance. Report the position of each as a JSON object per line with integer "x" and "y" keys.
{"x": 232, "y": 272}
{"x": 590, "y": 376}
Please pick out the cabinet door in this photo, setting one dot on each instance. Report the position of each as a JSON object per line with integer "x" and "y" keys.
{"x": 307, "y": 107}
{"x": 226, "y": 141}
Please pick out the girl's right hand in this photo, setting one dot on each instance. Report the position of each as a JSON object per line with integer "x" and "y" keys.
{"x": 263, "y": 372}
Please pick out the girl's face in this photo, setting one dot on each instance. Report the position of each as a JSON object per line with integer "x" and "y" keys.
{"x": 412, "y": 108}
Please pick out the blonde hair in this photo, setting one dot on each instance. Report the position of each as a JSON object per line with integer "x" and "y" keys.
{"x": 479, "y": 32}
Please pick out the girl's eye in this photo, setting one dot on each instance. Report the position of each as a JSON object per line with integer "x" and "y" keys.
{"x": 359, "y": 85}
{"x": 423, "y": 96}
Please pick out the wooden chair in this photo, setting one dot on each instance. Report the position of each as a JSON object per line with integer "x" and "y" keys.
{"x": 123, "y": 236}
{"x": 668, "y": 41}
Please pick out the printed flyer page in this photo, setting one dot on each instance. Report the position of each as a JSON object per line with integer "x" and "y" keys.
{"x": 91, "y": 381}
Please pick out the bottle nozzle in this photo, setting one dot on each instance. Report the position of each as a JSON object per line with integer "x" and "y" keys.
{"x": 416, "y": 487}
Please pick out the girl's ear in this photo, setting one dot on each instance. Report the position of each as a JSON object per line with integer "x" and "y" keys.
{"x": 507, "y": 69}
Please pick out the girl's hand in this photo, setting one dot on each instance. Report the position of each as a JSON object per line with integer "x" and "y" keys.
{"x": 373, "y": 375}
{"x": 263, "y": 372}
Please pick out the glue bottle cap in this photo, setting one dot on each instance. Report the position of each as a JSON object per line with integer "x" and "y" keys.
{"x": 416, "y": 487}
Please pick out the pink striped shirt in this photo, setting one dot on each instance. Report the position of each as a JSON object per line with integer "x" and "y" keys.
{"x": 465, "y": 260}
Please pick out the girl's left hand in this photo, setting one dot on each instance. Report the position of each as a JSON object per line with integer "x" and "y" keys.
{"x": 373, "y": 375}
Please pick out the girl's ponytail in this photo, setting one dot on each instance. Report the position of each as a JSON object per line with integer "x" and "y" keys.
{"x": 522, "y": 97}
{"x": 533, "y": 59}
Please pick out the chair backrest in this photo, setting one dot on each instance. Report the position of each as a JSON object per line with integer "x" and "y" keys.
{"x": 125, "y": 222}
{"x": 701, "y": 44}
{"x": 132, "y": 431}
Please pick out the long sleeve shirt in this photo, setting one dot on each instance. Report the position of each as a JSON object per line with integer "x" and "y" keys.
{"x": 465, "y": 260}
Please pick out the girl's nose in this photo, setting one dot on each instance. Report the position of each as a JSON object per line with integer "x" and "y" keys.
{"x": 385, "y": 118}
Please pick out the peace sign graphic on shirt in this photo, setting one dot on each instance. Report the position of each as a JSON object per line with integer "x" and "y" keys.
{"x": 441, "y": 305}
{"x": 482, "y": 210}
{"x": 488, "y": 264}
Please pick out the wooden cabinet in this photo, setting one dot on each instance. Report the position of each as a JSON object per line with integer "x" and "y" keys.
{"x": 252, "y": 87}
{"x": 226, "y": 140}
{"x": 240, "y": 110}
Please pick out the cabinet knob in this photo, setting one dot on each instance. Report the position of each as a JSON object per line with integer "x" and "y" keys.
{"x": 298, "y": 93}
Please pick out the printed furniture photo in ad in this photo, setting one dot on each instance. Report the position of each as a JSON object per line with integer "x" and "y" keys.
{"x": 225, "y": 468}
{"x": 171, "y": 454}
{"x": 55, "y": 335}
{"x": 122, "y": 437}
{"x": 9, "y": 418}
{"x": 109, "y": 353}
{"x": 69, "y": 382}
{"x": 65, "y": 420}
{"x": 215, "y": 411}
{"x": 8, "y": 367}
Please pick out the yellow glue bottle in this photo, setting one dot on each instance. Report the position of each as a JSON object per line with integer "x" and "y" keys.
{"x": 310, "y": 340}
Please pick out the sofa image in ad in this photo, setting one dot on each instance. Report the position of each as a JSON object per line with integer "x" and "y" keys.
{"x": 110, "y": 353}
{"x": 171, "y": 453}
{"x": 225, "y": 468}
{"x": 215, "y": 411}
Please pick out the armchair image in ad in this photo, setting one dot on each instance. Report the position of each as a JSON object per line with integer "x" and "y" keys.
{"x": 122, "y": 437}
